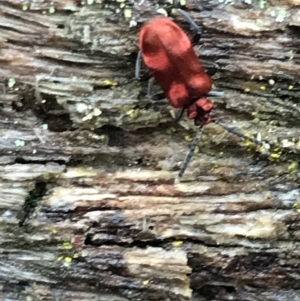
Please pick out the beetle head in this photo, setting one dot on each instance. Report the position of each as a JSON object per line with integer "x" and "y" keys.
{"x": 200, "y": 111}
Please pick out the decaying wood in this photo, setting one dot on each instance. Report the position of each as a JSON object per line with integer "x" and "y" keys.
{"x": 89, "y": 206}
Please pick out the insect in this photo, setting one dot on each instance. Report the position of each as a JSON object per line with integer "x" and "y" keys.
{"x": 168, "y": 53}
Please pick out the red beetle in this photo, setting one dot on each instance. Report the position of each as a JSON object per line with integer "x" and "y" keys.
{"x": 168, "y": 53}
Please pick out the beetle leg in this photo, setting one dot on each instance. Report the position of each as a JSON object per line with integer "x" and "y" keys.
{"x": 210, "y": 67}
{"x": 191, "y": 152}
{"x": 138, "y": 63}
{"x": 239, "y": 134}
{"x": 196, "y": 28}
{"x": 179, "y": 115}
{"x": 156, "y": 96}
{"x": 151, "y": 80}
{"x": 150, "y": 85}
{"x": 188, "y": 18}
{"x": 195, "y": 39}
{"x": 216, "y": 93}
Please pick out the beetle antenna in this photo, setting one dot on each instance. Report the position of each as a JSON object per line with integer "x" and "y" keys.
{"x": 189, "y": 19}
{"x": 239, "y": 134}
{"x": 191, "y": 152}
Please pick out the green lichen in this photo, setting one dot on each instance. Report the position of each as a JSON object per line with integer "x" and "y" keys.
{"x": 19, "y": 143}
{"x": 51, "y": 9}
{"x": 67, "y": 245}
{"x": 11, "y": 82}
{"x": 261, "y": 3}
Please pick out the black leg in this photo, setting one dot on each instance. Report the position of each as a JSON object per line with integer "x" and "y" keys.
{"x": 195, "y": 39}
{"x": 210, "y": 67}
{"x": 138, "y": 63}
{"x": 179, "y": 115}
{"x": 196, "y": 28}
{"x": 188, "y": 18}
{"x": 150, "y": 85}
{"x": 157, "y": 96}
{"x": 191, "y": 152}
{"x": 216, "y": 93}
{"x": 238, "y": 134}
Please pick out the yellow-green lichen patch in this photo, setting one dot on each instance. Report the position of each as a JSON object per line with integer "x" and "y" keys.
{"x": 134, "y": 113}
{"x": 76, "y": 255}
{"x": 68, "y": 259}
{"x": 25, "y": 6}
{"x": 110, "y": 82}
{"x": 94, "y": 113}
{"x": 251, "y": 145}
{"x": 67, "y": 246}
{"x": 297, "y": 207}
{"x": 173, "y": 11}
{"x": 293, "y": 166}
{"x": 177, "y": 243}
{"x": 248, "y": 144}
{"x": 188, "y": 138}
{"x": 127, "y": 13}
{"x": 171, "y": 130}
{"x": 275, "y": 155}
{"x": 51, "y": 9}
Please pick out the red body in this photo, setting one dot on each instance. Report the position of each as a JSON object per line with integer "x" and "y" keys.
{"x": 169, "y": 54}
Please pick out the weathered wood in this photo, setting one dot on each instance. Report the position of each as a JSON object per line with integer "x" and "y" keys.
{"x": 89, "y": 207}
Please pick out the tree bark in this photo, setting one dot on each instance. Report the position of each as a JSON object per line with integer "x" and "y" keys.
{"x": 90, "y": 209}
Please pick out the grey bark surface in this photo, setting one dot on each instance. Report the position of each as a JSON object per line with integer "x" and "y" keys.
{"x": 89, "y": 208}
